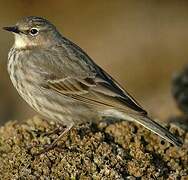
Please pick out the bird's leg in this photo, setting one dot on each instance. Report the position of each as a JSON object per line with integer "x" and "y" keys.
{"x": 53, "y": 144}
{"x": 63, "y": 132}
{"x": 56, "y": 130}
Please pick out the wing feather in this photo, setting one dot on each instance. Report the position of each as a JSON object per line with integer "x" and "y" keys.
{"x": 94, "y": 91}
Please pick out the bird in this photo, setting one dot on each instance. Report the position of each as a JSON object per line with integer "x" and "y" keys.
{"x": 61, "y": 82}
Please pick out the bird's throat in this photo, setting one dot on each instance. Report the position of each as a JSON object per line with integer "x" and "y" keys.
{"x": 20, "y": 42}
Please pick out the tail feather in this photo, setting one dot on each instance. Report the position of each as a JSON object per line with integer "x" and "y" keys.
{"x": 158, "y": 129}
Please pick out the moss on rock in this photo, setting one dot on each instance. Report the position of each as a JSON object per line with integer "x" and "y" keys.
{"x": 122, "y": 150}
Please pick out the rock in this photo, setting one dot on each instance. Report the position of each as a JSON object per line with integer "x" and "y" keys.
{"x": 121, "y": 150}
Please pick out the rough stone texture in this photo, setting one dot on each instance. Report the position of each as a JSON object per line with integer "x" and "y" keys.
{"x": 121, "y": 150}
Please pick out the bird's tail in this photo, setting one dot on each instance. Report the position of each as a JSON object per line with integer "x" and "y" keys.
{"x": 157, "y": 128}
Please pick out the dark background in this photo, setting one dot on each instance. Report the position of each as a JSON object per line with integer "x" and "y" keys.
{"x": 140, "y": 43}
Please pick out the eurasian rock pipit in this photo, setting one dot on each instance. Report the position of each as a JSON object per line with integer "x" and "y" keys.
{"x": 61, "y": 82}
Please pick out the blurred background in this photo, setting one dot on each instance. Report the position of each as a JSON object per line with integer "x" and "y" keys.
{"x": 140, "y": 43}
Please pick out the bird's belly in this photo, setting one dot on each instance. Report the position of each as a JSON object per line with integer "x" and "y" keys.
{"x": 56, "y": 107}
{"x": 65, "y": 109}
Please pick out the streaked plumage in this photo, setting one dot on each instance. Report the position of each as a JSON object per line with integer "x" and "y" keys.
{"x": 61, "y": 82}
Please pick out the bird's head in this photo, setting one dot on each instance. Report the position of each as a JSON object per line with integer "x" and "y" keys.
{"x": 34, "y": 31}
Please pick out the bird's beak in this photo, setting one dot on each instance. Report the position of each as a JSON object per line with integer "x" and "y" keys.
{"x": 12, "y": 29}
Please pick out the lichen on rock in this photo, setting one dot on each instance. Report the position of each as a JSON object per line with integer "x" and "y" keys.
{"x": 121, "y": 150}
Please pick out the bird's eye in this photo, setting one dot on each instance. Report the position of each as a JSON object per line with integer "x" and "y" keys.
{"x": 34, "y": 31}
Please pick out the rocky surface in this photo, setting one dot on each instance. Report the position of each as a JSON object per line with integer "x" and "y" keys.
{"x": 121, "y": 150}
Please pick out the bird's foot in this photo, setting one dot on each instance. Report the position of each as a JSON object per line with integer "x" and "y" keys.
{"x": 48, "y": 147}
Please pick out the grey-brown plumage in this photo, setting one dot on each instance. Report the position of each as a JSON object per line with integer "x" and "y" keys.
{"x": 61, "y": 82}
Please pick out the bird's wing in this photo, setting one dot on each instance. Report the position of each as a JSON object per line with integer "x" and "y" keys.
{"x": 91, "y": 84}
{"x": 96, "y": 91}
